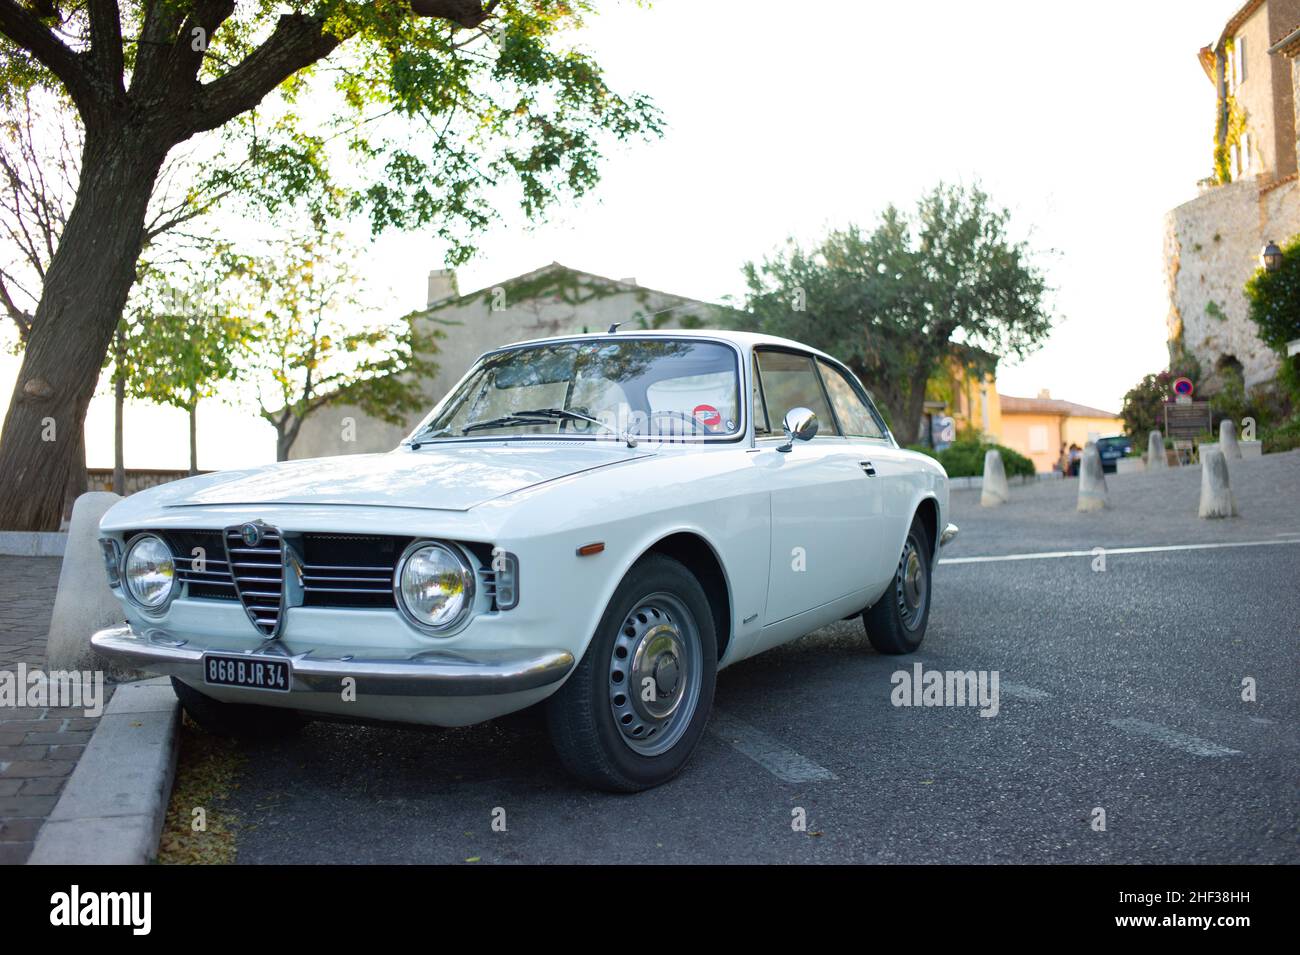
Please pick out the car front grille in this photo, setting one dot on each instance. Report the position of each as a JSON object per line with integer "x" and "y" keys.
{"x": 257, "y": 571}
{"x": 349, "y": 570}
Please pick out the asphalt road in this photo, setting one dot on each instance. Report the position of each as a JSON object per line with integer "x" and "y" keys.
{"x": 1119, "y": 690}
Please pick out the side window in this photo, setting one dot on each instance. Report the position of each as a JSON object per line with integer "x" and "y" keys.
{"x": 855, "y": 417}
{"x": 790, "y": 381}
{"x": 761, "y": 424}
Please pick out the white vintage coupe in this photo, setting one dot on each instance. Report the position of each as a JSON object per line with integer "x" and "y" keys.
{"x": 599, "y": 522}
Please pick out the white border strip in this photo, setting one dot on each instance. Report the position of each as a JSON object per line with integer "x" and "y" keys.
{"x": 1111, "y": 551}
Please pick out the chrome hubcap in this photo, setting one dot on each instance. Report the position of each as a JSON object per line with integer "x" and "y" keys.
{"x": 909, "y": 585}
{"x": 654, "y": 674}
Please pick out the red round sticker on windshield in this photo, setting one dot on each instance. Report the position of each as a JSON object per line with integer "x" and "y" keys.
{"x": 707, "y": 414}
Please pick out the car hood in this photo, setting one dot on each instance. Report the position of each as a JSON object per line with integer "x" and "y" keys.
{"x": 453, "y": 477}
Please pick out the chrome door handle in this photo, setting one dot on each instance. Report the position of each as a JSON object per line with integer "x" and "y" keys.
{"x": 868, "y": 467}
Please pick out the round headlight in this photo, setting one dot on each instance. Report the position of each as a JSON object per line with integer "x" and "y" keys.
{"x": 149, "y": 571}
{"x": 435, "y": 586}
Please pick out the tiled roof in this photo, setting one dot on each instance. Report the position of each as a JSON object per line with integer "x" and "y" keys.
{"x": 1289, "y": 45}
{"x": 1052, "y": 406}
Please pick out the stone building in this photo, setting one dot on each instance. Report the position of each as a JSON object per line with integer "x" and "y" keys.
{"x": 553, "y": 300}
{"x": 1212, "y": 243}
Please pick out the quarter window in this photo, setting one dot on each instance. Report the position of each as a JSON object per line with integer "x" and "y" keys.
{"x": 790, "y": 381}
{"x": 761, "y": 424}
{"x": 855, "y": 417}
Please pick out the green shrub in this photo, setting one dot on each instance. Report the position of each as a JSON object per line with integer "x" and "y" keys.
{"x": 1283, "y": 437}
{"x": 966, "y": 459}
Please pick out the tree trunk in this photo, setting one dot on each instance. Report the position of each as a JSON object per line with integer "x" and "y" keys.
{"x": 81, "y": 302}
{"x": 119, "y": 408}
{"x": 906, "y": 429}
{"x": 76, "y": 477}
{"x": 194, "y": 439}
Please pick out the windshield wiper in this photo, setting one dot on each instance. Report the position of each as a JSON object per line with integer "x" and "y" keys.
{"x": 542, "y": 415}
{"x": 425, "y": 435}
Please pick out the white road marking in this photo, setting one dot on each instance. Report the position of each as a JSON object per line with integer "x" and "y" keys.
{"x": 1018, "y": 691}
{"x": 1163, "y": 734}
{"x": 1111, "y": 551}
{"x": 778, "y": 759}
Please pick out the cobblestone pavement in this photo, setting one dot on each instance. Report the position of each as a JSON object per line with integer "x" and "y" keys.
{"x": 39, "y": 746}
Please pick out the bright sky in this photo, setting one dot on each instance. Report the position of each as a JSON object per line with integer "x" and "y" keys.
{"x": 1089, "y": 122}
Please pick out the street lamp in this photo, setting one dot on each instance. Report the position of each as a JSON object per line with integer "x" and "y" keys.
{"x": 1271, "y": 257}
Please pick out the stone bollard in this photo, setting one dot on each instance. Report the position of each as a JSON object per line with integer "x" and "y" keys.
{"x": 1092, "y": 480}
{"x": 1228, "y": 440}
{"x": 83, "y": 602}
{"x": 1216, "y": 492}
{"x": 1156, "y": 451}
{"x": 995, "y": 492}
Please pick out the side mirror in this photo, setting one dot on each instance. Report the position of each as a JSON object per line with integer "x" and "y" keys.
{"x": 800, "y": 425}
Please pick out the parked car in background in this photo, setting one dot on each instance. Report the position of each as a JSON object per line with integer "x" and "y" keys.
{"x": 1113, "y": 448}
{"x": 599, "y": 522}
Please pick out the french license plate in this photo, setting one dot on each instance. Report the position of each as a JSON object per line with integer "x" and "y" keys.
{"x": 250, "y": 673}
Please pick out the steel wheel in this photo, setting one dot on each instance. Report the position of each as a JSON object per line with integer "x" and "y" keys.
{"x": 655, "y": 673}
{"x": 910, "y": 585}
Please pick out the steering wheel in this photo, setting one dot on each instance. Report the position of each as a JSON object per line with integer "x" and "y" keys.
{"x": 698, "y": 426}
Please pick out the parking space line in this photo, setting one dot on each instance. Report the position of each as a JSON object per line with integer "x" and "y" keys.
{"x": 1111, "y": 551}
{"x": 1163, "y": 734}
{"x": 777, "y": 758}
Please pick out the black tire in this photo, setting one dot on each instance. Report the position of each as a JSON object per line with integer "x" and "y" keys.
{"x": 240, "y": 720}
{"x": 584, "y": 716}
{"x": 896, "y": 622}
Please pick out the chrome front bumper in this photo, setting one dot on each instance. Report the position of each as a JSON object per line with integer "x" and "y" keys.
{"x": 948, "y": 534}
{"x": 431, "y": 673}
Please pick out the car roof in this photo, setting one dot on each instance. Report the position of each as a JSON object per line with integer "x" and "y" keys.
{"x": 744, "y": 340}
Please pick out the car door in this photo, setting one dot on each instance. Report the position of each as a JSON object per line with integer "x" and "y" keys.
{"x": 821, "y": 497}
{"x": 890, "y": 497}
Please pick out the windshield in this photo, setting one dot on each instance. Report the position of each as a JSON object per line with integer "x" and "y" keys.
{"x": 648, "y": 387}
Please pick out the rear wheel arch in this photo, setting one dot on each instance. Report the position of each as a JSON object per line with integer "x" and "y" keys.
{"x": 927, "y": 511}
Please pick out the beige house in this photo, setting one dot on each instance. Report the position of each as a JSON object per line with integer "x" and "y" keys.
{"x": 1037, "y": 427}
{"x": 1212, "y": 243}
{"x": 552, "y": 300}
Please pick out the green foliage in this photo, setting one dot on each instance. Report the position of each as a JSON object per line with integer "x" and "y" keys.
{"x": 306, "y": 348}
{"x": 180, "y": 343}
{"x": 1227, "y": 111}
{"x": 1143, "y": 409}
{"x": 896, "y": 302}
{"x": 1275, "y": 309}
{"x": 1281, "y": 437}
{"x": 412, "y": 114}
{"x": 965, "y": 458}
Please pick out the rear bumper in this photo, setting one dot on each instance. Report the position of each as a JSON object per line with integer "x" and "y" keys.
{"x": 427, "y": 673}
{"x": 949, "y": 533}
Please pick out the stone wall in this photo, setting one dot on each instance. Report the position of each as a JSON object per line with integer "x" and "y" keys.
{"x": 1212, "y": 247}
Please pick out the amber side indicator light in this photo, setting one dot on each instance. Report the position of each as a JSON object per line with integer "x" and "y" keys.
{"x": 586, "y": 550}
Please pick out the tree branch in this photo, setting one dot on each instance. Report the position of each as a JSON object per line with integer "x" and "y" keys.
{"x": 106, "y": 44}
{"x": 22, "y": 319}
{"x": 297, "y": 42}
{"x": 29, "y": 33}
{"x": 466, "y": 13}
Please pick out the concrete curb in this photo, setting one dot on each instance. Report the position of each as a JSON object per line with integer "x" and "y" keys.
{"x": 32, "y": 543}
{"x": 111, "y": 811}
